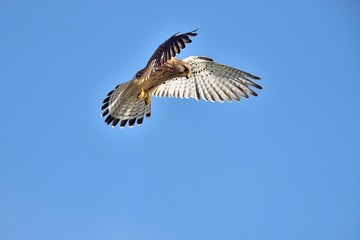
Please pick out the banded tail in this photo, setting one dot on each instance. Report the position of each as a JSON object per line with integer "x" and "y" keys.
{"x": 119, "y": 106}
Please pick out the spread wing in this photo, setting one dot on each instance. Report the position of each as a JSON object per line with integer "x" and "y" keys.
{"x": 210, "y": 81}
{"x": 165, "y": 52}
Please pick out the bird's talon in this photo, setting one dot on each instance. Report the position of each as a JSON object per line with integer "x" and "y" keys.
{"x": 147, "y": 100}
{"x": 141, "y": 94}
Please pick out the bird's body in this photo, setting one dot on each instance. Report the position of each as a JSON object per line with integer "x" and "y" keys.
{"x": 165, "y": 76}
{"x": 171, "y": 69}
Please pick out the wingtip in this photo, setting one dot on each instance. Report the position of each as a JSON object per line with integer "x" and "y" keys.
{"x": 193, "y": 33}
{"x": 254, "y": 77}
{"x": 106, "y": 112}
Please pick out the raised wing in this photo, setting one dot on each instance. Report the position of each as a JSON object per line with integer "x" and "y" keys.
{"x": 210, "y": 81}
{"x": 165, "y": 52}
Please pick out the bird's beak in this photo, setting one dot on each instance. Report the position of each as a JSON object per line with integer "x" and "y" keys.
{"x": 188, "y": 74}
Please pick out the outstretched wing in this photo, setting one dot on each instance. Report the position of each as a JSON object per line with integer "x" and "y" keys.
{"x": 165, "y": 52}
{"x": 210, "y": 81}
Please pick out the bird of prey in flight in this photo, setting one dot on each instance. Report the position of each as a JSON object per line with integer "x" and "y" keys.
{"x": 165, "y": 76}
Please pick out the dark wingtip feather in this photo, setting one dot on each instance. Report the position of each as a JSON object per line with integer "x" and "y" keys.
{"x": 115, "y": 122}
{"x": 105, "y": 106}
{"x": 110, "y": 92}
{"x": 193, "y": 33}
{"x": 253, "y": 76}
{"x": 109, "y": 119}
{"x": 131, "y": 122}
{"x": 256, "y": 85}
{"x": 106, "y": 112}
{"x": 139, "y": 121}
{"x": 123, "y": 123}
{"x": 106, "y": 99}
{"x": 181, "y": 43}
{"x": 148, "y": 115}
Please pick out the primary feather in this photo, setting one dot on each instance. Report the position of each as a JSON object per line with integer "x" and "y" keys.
{"x": 210, "y": 81}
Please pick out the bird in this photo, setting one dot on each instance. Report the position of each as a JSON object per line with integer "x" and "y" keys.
{"x": 164, "y": 75}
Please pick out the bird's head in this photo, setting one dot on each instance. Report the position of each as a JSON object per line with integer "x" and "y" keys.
{"x": 184, "y": 70}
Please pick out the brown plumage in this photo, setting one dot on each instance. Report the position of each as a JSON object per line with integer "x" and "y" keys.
{"x": 164, "y": 75}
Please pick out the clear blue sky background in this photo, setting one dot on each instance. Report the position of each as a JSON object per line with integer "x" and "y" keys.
{"x": 284, "y": 165}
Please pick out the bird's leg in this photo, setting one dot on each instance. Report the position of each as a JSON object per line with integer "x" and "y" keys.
{"x": 147, "y": 99}
{"x": 145, "y": 95}
{"x": 141, "y": 94}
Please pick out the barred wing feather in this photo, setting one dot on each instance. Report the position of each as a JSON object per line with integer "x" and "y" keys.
{"x": 210, "y": 81}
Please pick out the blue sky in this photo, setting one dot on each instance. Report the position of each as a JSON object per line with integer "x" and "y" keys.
{"x": 284, "y": 165}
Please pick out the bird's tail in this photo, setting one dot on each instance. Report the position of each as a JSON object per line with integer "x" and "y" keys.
{"x": 125, "y": 108}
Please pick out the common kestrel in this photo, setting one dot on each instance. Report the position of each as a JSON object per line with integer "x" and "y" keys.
{"x": 165, "y": 76}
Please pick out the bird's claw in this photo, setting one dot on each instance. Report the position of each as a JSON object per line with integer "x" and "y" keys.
{"x": 147, "y": 100}
{"x": 141, "y": 94}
